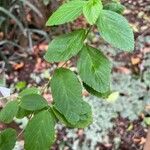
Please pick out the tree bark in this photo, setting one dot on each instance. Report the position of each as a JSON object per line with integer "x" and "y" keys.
{"x": 147, "y": 144}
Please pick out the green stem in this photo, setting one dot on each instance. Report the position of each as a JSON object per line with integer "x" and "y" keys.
{"x": 88, "y": 31}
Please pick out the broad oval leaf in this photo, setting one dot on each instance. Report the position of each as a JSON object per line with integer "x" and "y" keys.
{"x": 64, "y": 47}
{"x": 28, "y": 91}
{"x": 94, "y": 69}
{"x": 40, "y": 133}
{"x": 9, "y": 112}
{"x": 23, "y": 113}
{"x": 116, "y": 7}
{"x": 7, "y": 139}
{"x": 95, "y": 93}
{"x": 85, "y": 117}
{"x": 66, "y": 13}
{"x": 66, "y": 92}
{"x": 91, "y": 10}
{"x": 33, "y": 102}
{"x": 115, "y": 30}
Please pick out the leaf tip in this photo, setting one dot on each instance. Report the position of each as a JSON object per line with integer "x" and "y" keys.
{"x": 48, "y": 23}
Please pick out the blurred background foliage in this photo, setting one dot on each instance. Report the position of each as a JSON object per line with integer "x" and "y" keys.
{"x": 120, "y": 122}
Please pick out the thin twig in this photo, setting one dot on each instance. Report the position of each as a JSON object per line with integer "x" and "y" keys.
{"x": 14, "y": 18}
{"x": 34, "y": 8}
{"x": 63, "y": 64}
{"x": 9, "y": 97}
{"x": 24, "y": 128}
{"x": 12, "y": 43}
{"x": 46, "y": 86}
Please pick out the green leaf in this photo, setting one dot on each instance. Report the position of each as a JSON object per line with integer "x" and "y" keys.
{"x": 91, "y": 10}
{"x": 113, "y": 97}
{"x": 61, "y": 118}
{"x": 147, "y": 121}
{"x": 115, "y": 30}
{"x": 64, "y": 47}
{"x": 40, "y": 132}
{"x": 7, "y": 139}
{"x": 108, "y": 96}
{"x": 9, "y": 112}
{"x": 29, "y": 91}
{"x": 66, "y": 13}
{"x": 20, "y": 85}
{"x": 66, "y": 92}
{"x": 130, "y": 127}
{"x": 23, "y": 113}
{"x": 116, "y": 7}
{"x": 85, "y": 117}
{"x": 95, "y": 93}
{"x": 33, "y": 102}
{"x": 94, "y": 69}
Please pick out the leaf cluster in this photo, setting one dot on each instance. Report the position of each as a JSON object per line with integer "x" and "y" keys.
{"x": 94, "y": 70}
